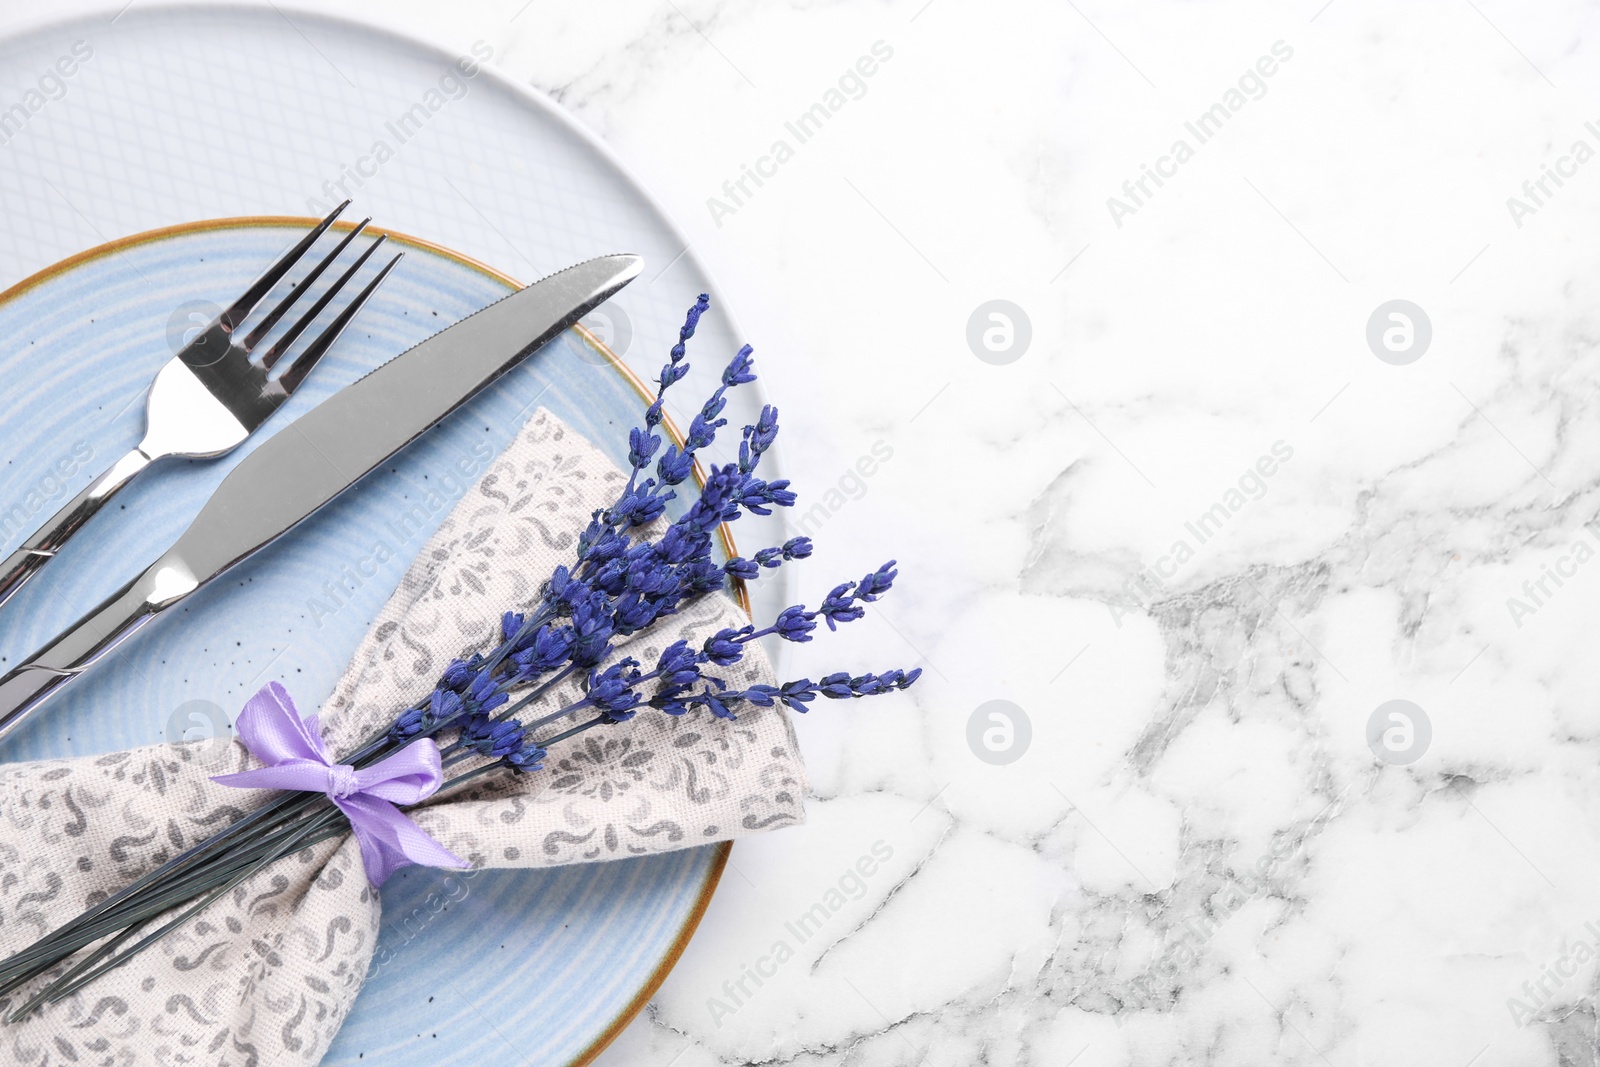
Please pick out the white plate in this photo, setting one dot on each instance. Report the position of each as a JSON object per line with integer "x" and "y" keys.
{"x": 169, "y": 116}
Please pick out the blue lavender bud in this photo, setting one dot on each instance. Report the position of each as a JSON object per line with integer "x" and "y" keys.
{"x": 675, "y": 545}
{"x": 612, "y": 692}
{"x": 610, "y": 579}
{"x": 702, "y": 576}
{"x": 620, "y": 513}
{"x": 674, "y": 466}
{"x": 840, "y": 606}
{"x": 612, "y": 685}
{"x": 609, "y": 546}
{"x": 738, "y": 567}
{"x": 678, "y": 665}
{"x": 765, "y": 431}
{"x": 591, "y": 533}
{"x": 717, "y": 706}
{"x": 723, "y": 648}
{"x": 642, "y": 446}
{"x": 675, "y": 368}
{"x": 443, "y": 707}
{"x": 634, "y": 508}
{"x": 738, "y": 372}
{"x": 756, "y": 495}
{"x": 590, "y": 649}
{"x": 770, "y": 557}
{"x": 504, "y": 738}
{"x": 877, "y": 583}
{"x": 797, "y": 548}
{"x": 474, "y": 727}
{"x": 407, "y": 726}
{"x": 489, "y": 738}
{"x": 483, "y": 685}
{"x": 836, "y": 686}
{"x": 485, "y": 693}
{"x": 632, "y": 613}
{"x": 527, "y": 758}
{"x": 589, "y": 614}
{"x": 757, "y": 439}
{"x": 510, "y": 625}
{"x": 702, "y": 431}
{"x": 797, "y": 694}
{"x": 460, "y": 673}
{"x": 763, "y": 696}
{"x": 652, "y": 507}
{"x": 622, "y": 714}
{"x": 713, "y": 407}
{"x": 867, "y": 685}
{"x": 560, "y": 579}
{"x": 547, "y": 650}
{"x": 650, "y": 577}
{"x": 715, "y": 496}
{"x": 690, "y": 322}
{"x": 794, "y": 624}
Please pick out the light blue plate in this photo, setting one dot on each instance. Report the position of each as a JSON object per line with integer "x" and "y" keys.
{"x": 561, "y": 959}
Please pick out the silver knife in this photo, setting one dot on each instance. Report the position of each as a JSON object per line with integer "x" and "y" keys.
{"x": 318, "y": 456}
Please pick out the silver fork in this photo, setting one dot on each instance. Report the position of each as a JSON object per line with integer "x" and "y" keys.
{"x": 212, "y": 395}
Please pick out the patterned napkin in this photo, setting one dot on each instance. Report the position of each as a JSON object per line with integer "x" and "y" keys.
{"x": 266, "y": 976}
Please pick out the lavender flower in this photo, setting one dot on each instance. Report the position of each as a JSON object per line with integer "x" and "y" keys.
{"x": 799, "y": 693}
{"x": 620, "y": 585}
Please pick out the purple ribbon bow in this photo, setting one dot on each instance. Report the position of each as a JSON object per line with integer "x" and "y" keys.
{"x": 296, "y": 758}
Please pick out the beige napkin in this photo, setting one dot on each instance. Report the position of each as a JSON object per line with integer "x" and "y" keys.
{"x": 266, "y": 976}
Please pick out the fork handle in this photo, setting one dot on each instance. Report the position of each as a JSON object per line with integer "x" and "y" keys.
{"x": 164, "y": 583}
{"x": 47, "y": 540}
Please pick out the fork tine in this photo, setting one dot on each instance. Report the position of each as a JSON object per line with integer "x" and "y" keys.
{"x": 242, "y": 307}
{"x": 302, "y": 366}
{"x": 288, "y": 301}
{"x": 277, "y": 351}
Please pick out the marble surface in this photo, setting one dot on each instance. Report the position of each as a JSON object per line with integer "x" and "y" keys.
{"x": 1198, "y": 532}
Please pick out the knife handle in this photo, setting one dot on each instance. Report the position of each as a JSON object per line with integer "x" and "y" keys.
{"x": 47, "y": 540}
{"x": 27, "y": 686}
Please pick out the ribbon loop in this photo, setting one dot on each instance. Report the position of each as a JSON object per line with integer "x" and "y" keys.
{"x": 342, "y": 781}
{"x": 296, "y": 758}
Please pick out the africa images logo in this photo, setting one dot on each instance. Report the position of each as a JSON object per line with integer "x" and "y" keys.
{"x": 1251, "y": 85}
{"x": 851, "y": 85}
{"x": 850, "y": 885}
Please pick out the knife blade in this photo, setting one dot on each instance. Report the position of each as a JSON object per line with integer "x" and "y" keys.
{"x": 318, "y": 456}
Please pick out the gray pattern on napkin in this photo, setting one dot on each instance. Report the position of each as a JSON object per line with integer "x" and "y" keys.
{"x": 266, "y": 976}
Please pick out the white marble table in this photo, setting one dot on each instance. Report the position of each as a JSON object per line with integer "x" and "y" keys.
{"x": 1199, "y": 531}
